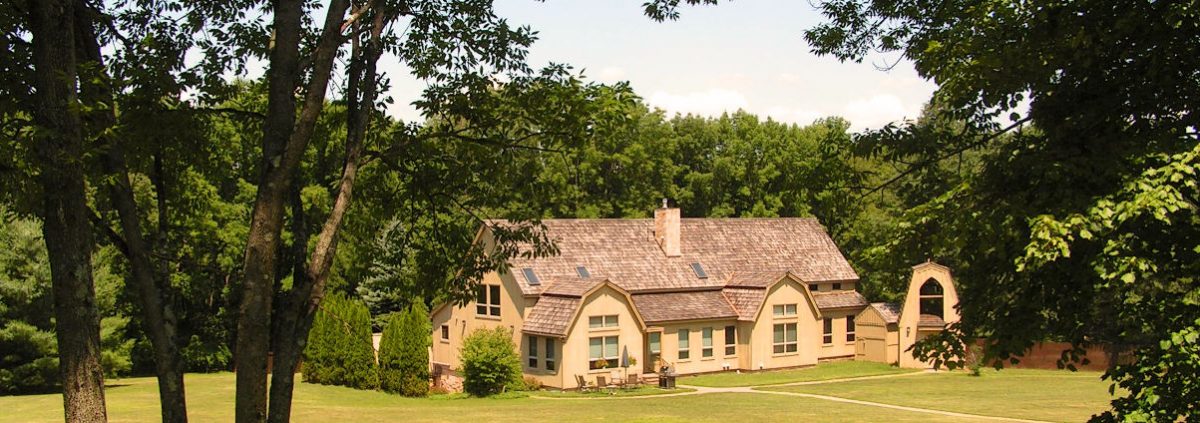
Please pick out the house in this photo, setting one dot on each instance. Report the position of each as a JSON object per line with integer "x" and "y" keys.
{"x": 691, "y": 295}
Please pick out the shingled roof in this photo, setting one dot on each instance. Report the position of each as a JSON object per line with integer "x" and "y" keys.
{"x": 889, "y": 311}
{"x": 551, "y": 315}
{"x": 745, "y": 252}
{"x": 839, "y": 299}
{"x": 677, "y": 306}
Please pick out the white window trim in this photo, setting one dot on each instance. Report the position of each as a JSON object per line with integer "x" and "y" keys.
{"x": 491, "y": 305}
{"x": 706, "y": 351}
{"x": 614, "y": 361}
{"x": 679, "y": 344}
{"x": 795, "y": 344}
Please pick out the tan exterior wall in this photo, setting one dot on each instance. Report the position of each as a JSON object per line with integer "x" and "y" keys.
{"x": 462, "y": 320}
{"x": 762, "y": 354}
{"x": 910, "y": 314}
{"x": 696, "y": 362}
{"x": 574, "y": 360}
{"x": 839, "y": 348}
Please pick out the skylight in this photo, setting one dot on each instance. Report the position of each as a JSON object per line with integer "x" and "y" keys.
{"x": 529, "y": 276}
{"x": 700, "y": 273}
{"x": 583, "y": 272}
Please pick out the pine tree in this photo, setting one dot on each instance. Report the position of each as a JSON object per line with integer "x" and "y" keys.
{"x": 404, "y": 353}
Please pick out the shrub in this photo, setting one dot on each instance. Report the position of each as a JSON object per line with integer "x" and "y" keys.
{"x": 340, "y": 351}
{"x": 490, "y": 362}
{"x": 29, "y": 362}
{"x": 404, "y": 353}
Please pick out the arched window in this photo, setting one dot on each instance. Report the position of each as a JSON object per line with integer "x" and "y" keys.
{"x": 932, "y": 298}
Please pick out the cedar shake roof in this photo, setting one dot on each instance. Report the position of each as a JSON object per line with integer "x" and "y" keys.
{"x": 745, "y": 252}
{"x": 570, "y": 287}
{"x": 889, "y": 311}
{"x": 676, "y": 306}
{"x": 929, "y": 320}
{"x": 551, "y": 315}
{"x": 745, "y": 301}
{"x": 839, "y": 299}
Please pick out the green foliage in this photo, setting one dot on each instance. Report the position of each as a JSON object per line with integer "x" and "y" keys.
{"x": 30, "y": 360}
{"x": 340, "y": 350}
{"x": 490, "y": 363}
{"x": 404, "y": 353}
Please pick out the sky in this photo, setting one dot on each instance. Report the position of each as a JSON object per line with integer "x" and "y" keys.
{"x": 748, "y": 55}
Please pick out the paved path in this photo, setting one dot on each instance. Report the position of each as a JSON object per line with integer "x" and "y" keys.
{"x": 701, "y": 390}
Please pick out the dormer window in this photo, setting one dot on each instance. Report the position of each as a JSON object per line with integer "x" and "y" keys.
{"x": 583, "y": 272}
{"x": 530, "y": 276}
{"x": 699, "y": 270}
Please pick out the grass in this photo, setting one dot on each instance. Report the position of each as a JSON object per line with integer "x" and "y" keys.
{"x": 1046, "y": 395}
{"x": 210, "y": 398}
{"x": 1028, "y": 394}
{"x": 823, "y": 371}
{"x": 602, "y": 393}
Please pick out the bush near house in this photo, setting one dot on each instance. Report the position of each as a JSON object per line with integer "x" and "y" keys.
{"x": 490, "y": 363}
{"x": 404, "y": 353}
{"x": 339, "y": 349}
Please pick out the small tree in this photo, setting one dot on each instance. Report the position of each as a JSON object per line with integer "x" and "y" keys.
{"x": 339, "y": 348}
{"x": 404, "y": 353}
{"x": 489, "y": 361}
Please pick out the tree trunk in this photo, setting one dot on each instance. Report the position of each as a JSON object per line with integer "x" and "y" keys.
{"x": 284, "y": 139}
{"x": 65, "y": 222}
{"x": 308, "y": 289}
{"x": 159, "y": 319}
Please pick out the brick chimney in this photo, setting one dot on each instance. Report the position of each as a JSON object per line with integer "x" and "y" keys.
{"x": 666, "y": 229}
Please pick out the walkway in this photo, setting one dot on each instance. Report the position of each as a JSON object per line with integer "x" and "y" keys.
{"x": 701, "y": 390}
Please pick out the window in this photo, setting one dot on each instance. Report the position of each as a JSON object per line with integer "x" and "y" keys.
{"x": 487, "y": 300}
{"x": 699, "y": 271}
{"x": 602, "y": 352}
{"x": 445, "y": 332}
{"x": 533, "y": 356}
{"x": 684, "y": 346}
{"x": 609, "y": 321}
{"x": 530, "y": 276}
{"x": 780, "y": 310}
{"x": 849, "y": 328}
{"x": 550, "y": 362}
{"x": 655, "y": 342}
{"x": 785, "y": 338}
{"x": 828, "y": 338}
{"x": 583, "y": 272}
{"x": 706, "y": 345}
{"x": 730, "y": 340}
{"x": 837, "y": 286}
{"x": 814, "y": 287}
{"x": 931, "y": 298}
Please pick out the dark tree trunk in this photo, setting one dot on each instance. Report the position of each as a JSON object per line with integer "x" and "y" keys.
{"x": 308, "y": 289}
{"x": 159, "y": 319}
{"x": 65, "y": 218}
{"x": 285, "y": 136}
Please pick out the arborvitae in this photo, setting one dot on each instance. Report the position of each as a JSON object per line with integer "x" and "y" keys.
{"x": 404, "y": 353}
{"x": 339, "y": 350}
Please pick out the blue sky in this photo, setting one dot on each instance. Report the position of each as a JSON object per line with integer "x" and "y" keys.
{"x": 743, "y": 54}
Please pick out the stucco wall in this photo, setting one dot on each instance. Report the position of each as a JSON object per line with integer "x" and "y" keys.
{"x": 839, "y": 348}
{"x": 761, "y": 337}
{"x": 696, "y": 362}
{"x": 575, "y": 354}
{"x": 910, "y": 314}
{"x": 463, "y": 320}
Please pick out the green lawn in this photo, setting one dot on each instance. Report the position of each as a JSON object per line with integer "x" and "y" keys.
{"x": 823, "y": 371}
{"x": 1029, "y": 394}
{"x": 210, "y": 399}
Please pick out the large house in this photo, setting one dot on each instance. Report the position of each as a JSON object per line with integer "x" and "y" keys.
{"x": 691, "y": 296}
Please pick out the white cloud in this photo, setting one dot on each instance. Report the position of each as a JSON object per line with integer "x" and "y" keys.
{"x": 712, "y": 102}
{"x": 878, "y": 110}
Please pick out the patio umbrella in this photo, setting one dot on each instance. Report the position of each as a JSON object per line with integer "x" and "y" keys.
{"x": 625, "y": 360}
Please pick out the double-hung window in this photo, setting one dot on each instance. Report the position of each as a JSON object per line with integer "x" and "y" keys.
{"x": 706, "y": 342}
{"x": 445, "y": 332}
{"x": 828, "y": 338}
{"x": 784, "y": 338}
{"x": 849, "y": 328}
{"x": 783, "y": 310}
{"x": 533, "y": 355}
{"x": 685, "y": 350}
{"x": 596, "y": 322}
{"x": 487, "y": 301}
{"x": 550, "y": 361}
{"x": 655, "y": 341}
{"x": 730, "y": 340}
{"x": 602, "y": 352}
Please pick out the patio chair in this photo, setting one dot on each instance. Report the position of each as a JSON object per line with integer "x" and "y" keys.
{"x": 584, "y": 386}
{"x": 633, "y": 381}
{"x": 602, "y": 382}
{"x": 616, "y": 379}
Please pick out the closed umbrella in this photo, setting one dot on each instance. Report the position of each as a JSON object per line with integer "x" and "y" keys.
{"x": 625, "y": 360}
